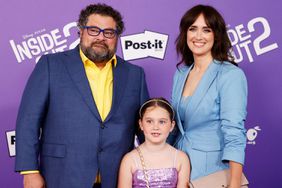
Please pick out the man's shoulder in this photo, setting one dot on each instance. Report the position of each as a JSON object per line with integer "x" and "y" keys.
{"x": 63, "y": 53}
{"x": 127, "y": 64}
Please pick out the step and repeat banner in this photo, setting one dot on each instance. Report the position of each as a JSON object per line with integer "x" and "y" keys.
{"x": 32, "y": 28}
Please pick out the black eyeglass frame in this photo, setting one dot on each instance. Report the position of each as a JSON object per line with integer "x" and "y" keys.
{"x": 100, "y": 30}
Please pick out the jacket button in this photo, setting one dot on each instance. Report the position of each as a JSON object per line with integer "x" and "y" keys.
{"x": 102, "y": 126}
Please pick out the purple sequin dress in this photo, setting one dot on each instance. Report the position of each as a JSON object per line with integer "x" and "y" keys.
{"x": 164, "y": 178}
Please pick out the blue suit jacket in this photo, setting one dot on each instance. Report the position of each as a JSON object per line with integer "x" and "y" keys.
{"x": 58, "y": 122}
{"x": 213, "y": 131}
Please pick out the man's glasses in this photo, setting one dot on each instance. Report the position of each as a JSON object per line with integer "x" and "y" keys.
{"x": 95, "y": 31}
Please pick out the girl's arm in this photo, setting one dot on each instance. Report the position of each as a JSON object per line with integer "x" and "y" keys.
{"x": 125, "y": 172}
{"x": 184, "y": 170}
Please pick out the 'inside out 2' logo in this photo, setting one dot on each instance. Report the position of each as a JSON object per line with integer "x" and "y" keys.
{"x": 142, "y": 45}
{"x": 34, "y": 44}
{"x": 251, "y": 39}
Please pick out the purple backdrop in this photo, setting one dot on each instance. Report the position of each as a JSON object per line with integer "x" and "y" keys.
{"x": 31, "y": 28}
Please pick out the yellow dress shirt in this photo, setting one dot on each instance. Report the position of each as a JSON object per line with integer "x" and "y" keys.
{"x": 101, "y": 83}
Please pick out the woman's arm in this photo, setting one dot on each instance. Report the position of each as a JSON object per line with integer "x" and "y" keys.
{"x": 236, "y": 170}
{"x": 233, "y": 104}
{"x": 233, "y": 111}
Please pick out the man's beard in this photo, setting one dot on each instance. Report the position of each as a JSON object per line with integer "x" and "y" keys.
{"x": 98, "y": 56}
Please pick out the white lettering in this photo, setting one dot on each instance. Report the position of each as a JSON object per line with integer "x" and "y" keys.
{"x": 240, "y": 39}
{"x": 56, "y": 36}
{"x": 240, "y": 30}
{"x": 261, "y": 50}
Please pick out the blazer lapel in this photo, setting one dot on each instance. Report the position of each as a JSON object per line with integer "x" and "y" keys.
{"x": 202, "y": 88}
{"x": 181, "y": 83}
{"x": 77, "y": 73}
{"x": 120, "y": 76}
{"x": 183, "y": 77}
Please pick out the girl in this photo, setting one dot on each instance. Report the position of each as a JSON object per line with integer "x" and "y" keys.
{"x": 155, "y": 163}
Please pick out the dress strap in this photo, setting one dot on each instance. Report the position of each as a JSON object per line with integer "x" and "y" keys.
{"x": 175, "y": 158}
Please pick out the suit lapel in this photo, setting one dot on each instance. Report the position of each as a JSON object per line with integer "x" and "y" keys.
{"x": 120, "y": 76}
{"x": 181, "y": 83}
{"x": 202, "y": 89}
{"x": 77, "y": 73}
{"x": 180, "y": 86}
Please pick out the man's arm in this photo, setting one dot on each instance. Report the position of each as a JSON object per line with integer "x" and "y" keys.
{"x": 31, "y": 117}
{"x": 34, "y": 180}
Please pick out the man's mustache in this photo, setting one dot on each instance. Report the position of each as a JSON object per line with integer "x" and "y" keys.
{"x": 99, "y": 43}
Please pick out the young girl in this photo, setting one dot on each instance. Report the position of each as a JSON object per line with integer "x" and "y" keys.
{"x": 155, "y": 163}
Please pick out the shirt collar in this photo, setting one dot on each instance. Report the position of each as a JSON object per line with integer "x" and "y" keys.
{"x": 85, "y": 59}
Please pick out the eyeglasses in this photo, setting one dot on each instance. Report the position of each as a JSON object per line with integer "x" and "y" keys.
{"x": 95, "y": 31}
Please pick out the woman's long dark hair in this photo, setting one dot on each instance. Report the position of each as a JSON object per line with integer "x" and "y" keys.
{"x": 221, "y": 49}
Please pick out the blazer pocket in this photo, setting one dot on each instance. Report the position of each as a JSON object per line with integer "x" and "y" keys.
{"x": 53, "y": 150}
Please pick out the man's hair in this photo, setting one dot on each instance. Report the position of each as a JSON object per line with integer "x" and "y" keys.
{"x": 101, "y": 9}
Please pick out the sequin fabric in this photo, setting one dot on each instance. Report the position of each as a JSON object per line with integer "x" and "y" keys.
{"x": 164, "y": 178}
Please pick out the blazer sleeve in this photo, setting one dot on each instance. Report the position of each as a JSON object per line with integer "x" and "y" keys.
{"x": 31, "y": 115}
{"x": 233, "y": 103}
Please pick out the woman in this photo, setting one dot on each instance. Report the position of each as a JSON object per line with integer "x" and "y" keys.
{"x": 209, "y": 96}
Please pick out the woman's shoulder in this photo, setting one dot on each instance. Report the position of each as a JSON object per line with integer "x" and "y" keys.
{"x": 231, "y": 76}
{"x": 227, "y": 67}
{"x": 182, "y": 69}
{"x": 230, "y": 70}
{"x": 180, "y": 72}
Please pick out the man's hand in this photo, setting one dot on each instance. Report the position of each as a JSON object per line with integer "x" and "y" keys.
{"x": 34, "y": 180}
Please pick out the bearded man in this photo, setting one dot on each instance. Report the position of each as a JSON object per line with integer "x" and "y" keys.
{"x": 79, "y": 108}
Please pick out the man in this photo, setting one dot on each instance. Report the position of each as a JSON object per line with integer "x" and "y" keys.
{"x": 79, "y": 109}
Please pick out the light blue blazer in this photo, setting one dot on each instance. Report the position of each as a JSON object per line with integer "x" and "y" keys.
{"x": 213, "y": 131}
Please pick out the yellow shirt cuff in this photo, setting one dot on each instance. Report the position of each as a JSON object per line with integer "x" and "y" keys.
{"x": 29, "y": 172}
